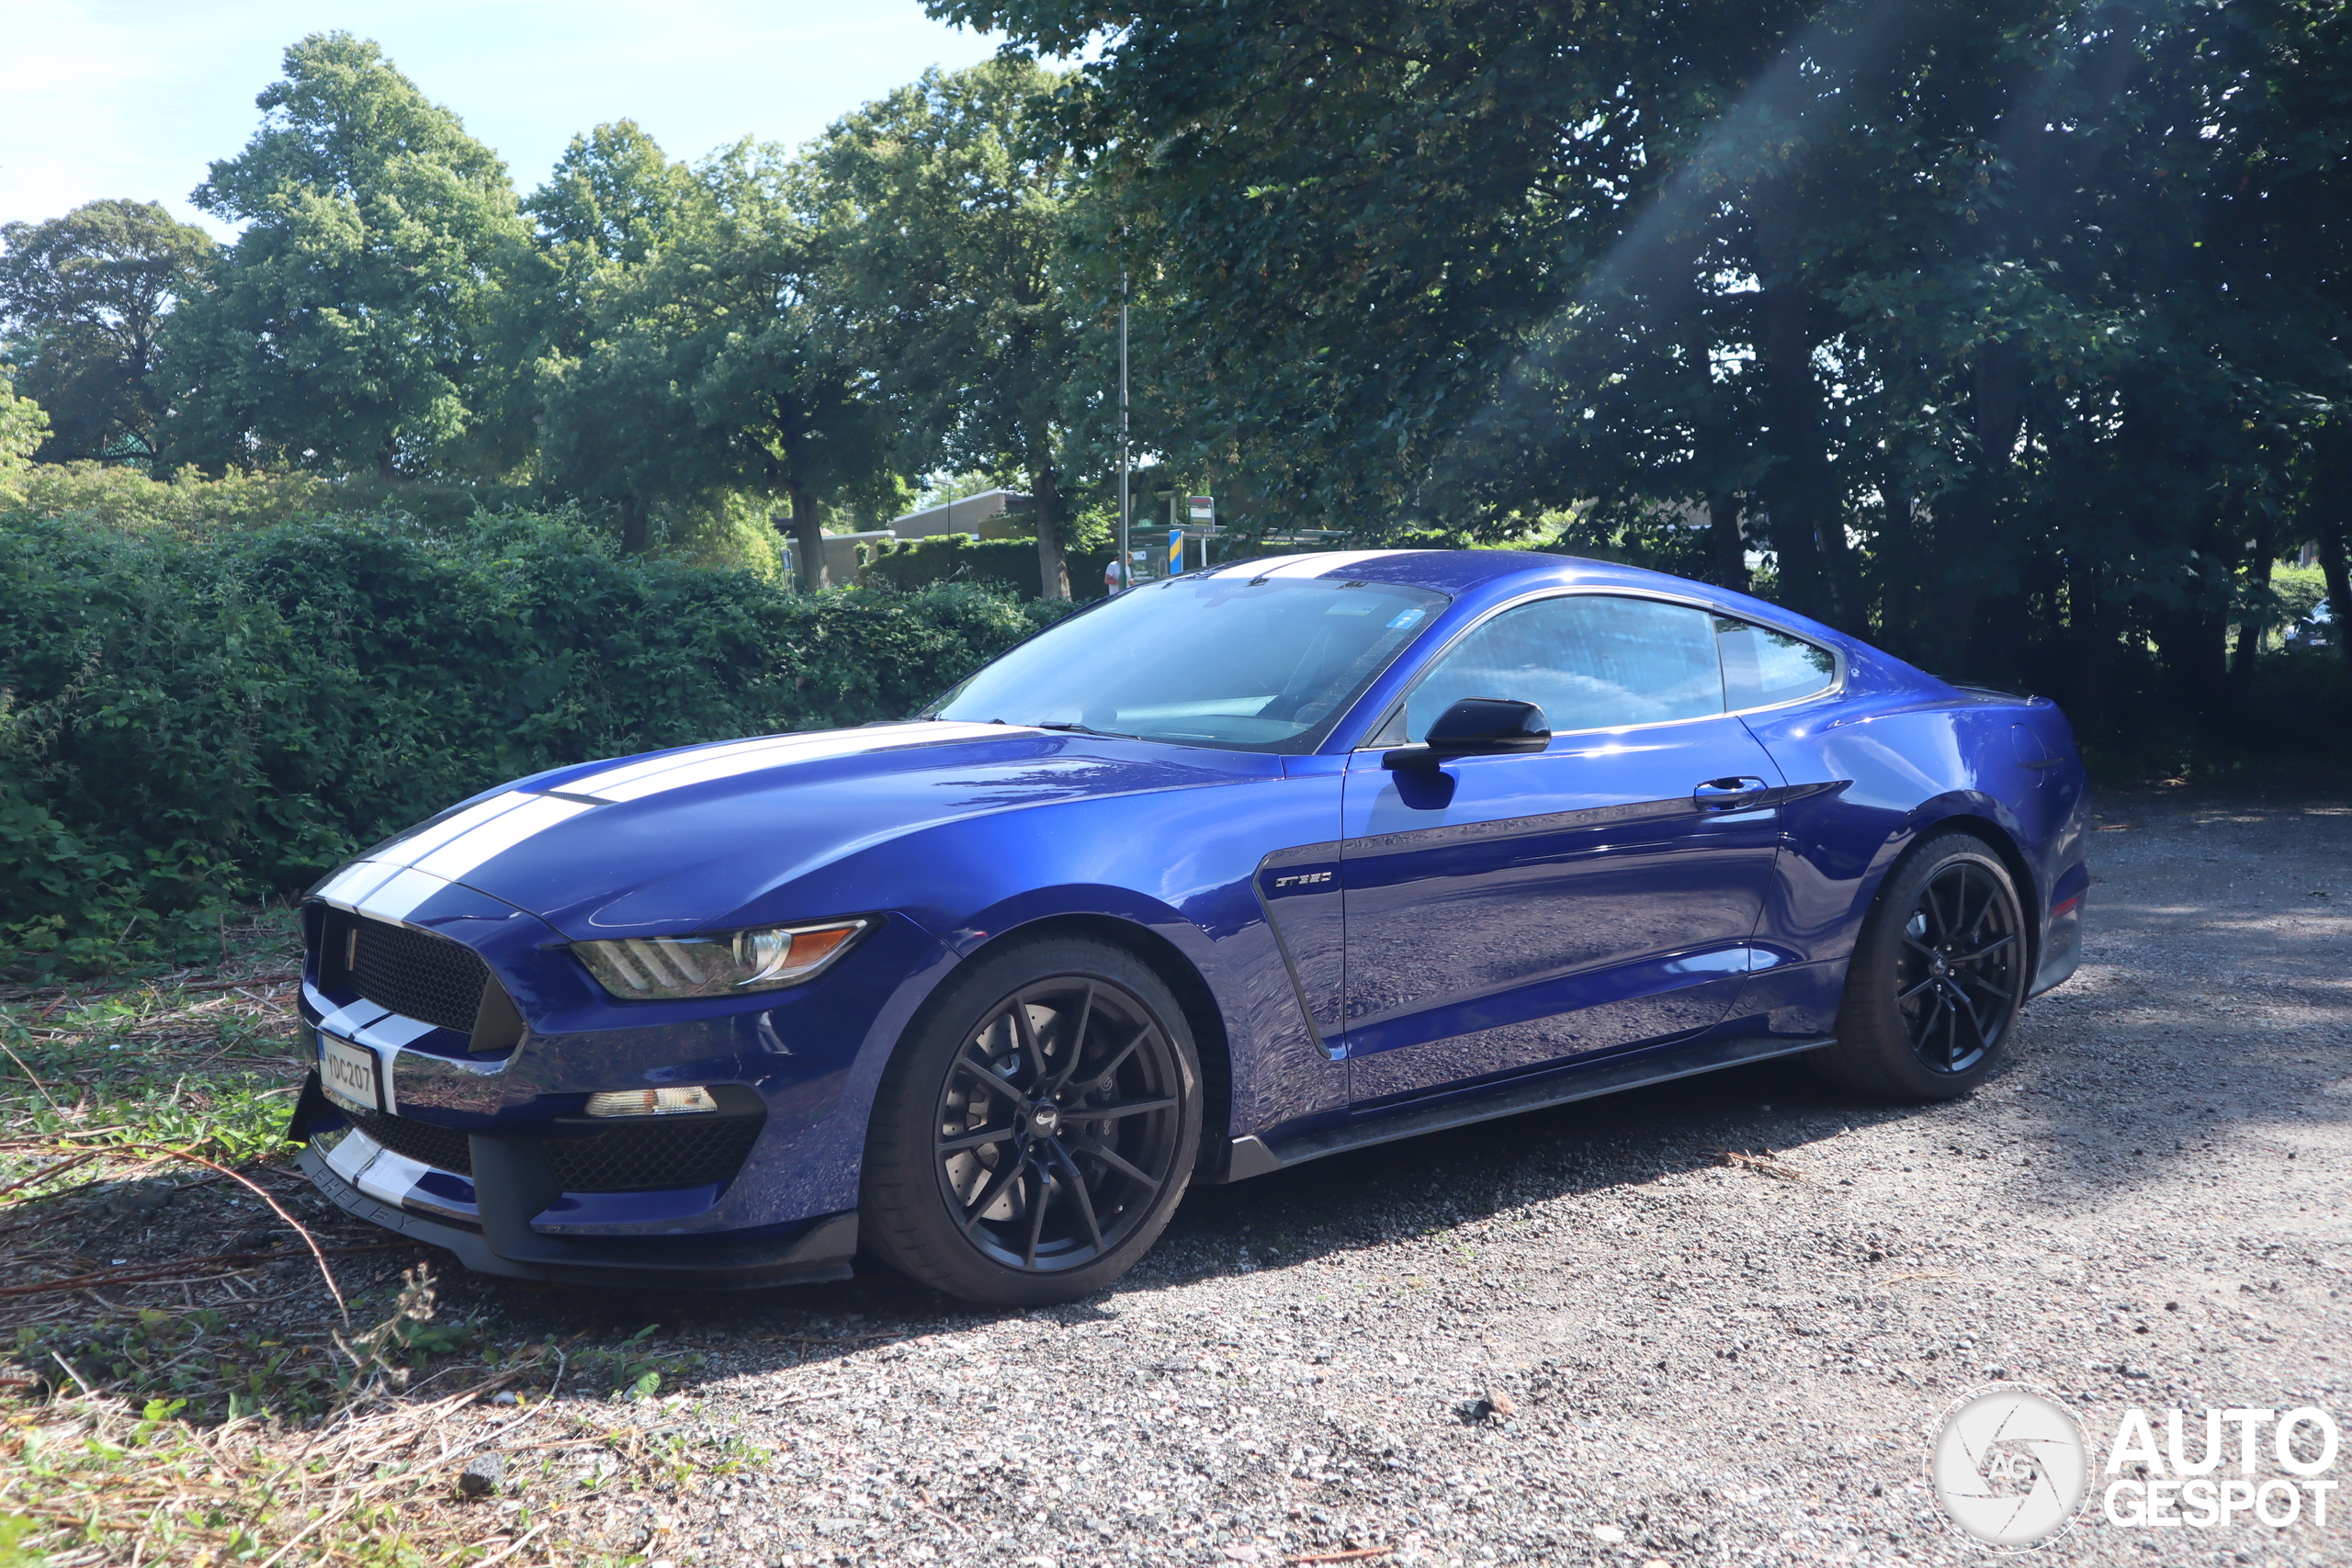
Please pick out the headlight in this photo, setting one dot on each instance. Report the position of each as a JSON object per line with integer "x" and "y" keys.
{"x": 647, "y": 968}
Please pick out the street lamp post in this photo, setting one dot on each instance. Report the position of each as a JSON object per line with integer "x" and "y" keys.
{"x": 1126, "y": 558}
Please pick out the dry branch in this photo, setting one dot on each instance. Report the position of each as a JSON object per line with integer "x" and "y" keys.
{"x": 1768, "y": 1167}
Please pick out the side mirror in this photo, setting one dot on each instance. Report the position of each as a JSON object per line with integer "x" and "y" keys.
{"x": 1476, "y": 726}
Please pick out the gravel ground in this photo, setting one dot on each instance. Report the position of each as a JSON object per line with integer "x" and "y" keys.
{"x": 1581, "y": 1336}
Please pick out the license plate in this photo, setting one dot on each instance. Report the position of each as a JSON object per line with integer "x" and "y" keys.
{"x": 348, "y": 1073}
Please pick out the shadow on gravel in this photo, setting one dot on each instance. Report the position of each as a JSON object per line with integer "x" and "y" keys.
{"x": 2213, "y": 1010}
{"x": 2201, "y": 919}
{"x": 1348, "y": 1203}
{"x": 1371, "y": 1196}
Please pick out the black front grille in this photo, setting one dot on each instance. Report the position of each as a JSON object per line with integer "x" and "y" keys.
{"x": 687, "y": 1152}
{"x": 639, "y": 1159}
{"x": 443, "y": 1148}
{"x": 418, "y": 975}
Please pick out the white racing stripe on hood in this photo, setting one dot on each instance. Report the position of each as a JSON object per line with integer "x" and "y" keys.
{"x": 403, "y": 875}
{"x": 1305, "y": 566}
{"x": 639, "y": 780}
{"x": 404, "y": 890}
{"x": 600, "y": 784}
{"x": 356, "y": 881}
{"x": 498, "y": 835}
{"x": 425, "y": 840}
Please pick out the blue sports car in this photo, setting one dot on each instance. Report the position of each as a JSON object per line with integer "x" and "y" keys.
{"x": 1224, "y": 873}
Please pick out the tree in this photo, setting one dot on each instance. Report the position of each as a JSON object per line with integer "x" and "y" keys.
{"x": 609, "y": 414}
{"x": 23, "y": 426}
{"x": 86, "y": 295}
{"x": 2013, "y": 334}
{"x": 691, "y": 368}
{"x": 769, "y": 372}
{"x": 1362, "y": 217}
{"x": 350, "y": 325}
{"x": 613, "y": 198}
{"x": 945, "y": 210}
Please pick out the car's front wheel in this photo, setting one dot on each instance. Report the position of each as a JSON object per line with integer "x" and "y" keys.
{"x": 1036, "y": 1127}
{"x": 1938, "y": 976}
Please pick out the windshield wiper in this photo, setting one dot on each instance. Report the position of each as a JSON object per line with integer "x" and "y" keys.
{"x": 1085, "y": 729}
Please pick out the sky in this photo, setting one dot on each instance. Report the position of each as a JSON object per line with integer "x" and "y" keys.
{"x": 134, "y": 97}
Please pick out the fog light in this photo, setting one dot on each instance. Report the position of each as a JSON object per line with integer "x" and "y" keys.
{"x": 652, "y": 1102}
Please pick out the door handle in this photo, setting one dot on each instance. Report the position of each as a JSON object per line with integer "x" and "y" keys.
{"x": 1728, "y": 794}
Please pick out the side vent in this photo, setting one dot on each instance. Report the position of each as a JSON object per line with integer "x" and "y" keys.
{"x": 498, "y": 1027}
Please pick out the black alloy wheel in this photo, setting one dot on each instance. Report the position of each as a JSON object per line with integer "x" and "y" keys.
{"x": 1938, "y": 976}
{"x": 1037, "y": 1129}
{"x": 1956, "y": 977}
{"x": 1058, "y": 1122}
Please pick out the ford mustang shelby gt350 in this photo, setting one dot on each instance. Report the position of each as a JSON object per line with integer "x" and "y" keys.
{"x": 1223, "y": 873}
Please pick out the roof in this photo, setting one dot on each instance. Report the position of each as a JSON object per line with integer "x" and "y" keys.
{"x": 1445, "y": 572}
{"x": 1454, "y": 572}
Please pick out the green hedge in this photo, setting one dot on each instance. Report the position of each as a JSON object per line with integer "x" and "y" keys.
{"x": 952, "y": 557}
{"x": 188, "y": 722}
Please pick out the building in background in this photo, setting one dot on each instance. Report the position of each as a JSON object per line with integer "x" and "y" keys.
{"x": 991, "y": 514}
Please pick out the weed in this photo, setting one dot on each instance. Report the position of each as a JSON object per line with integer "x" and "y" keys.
{"x": 632, "y": 1370}
{"x": 204, "y": 1403}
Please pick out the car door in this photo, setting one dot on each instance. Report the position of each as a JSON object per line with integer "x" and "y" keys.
{"x": 1506, "y": 912}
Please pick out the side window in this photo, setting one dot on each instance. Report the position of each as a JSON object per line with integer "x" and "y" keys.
{"x": 1763, "y": 667}
{"x": 1590, "y": 662}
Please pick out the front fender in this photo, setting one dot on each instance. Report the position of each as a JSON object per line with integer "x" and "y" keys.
{"x": 1180, "y": 865}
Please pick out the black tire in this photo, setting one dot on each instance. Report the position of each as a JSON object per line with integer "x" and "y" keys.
{"x": 985, "y": 1177}
{"x": 1938, "y": 976}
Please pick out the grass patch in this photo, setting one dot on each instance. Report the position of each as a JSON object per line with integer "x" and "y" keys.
{"x": 178, "y": 1384}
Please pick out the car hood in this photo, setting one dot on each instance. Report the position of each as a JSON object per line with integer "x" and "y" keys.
{"x": 679, "y": 841}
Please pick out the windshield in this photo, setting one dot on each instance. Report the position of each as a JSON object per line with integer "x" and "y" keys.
{"x": 1265, "y": 666}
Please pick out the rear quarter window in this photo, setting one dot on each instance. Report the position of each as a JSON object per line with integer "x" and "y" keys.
{"x": 1762, "y": 667}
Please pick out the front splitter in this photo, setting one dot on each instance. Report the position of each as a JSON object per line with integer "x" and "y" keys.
{"x": 823, "y": 1251}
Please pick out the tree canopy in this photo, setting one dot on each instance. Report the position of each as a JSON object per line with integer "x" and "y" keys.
{"x": 687, "y": 365}
{"x": 23, "y": 426}
{"x": 945, "y": 209}
{"x": 347, "y": 325}
{"x": 2011, "y": 334}
{"x": 86, "y": 295}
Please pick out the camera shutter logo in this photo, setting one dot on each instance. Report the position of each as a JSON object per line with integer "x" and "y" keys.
{"x": 2009, "y": 1467}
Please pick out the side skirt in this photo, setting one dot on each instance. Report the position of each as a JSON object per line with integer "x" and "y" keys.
{"x": 1253, "y": 1155}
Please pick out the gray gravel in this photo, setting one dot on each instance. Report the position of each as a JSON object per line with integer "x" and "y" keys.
{"x": 1581, "y": 1337}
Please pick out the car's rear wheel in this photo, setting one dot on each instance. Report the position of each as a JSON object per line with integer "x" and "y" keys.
{"x": 1035, "y": 1129}
{"x": 1938, "y": 976}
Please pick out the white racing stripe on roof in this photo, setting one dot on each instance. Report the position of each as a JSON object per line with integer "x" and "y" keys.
{"x": 1254, "y": 568}
{"x": 1317, "y": 565}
